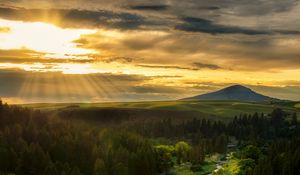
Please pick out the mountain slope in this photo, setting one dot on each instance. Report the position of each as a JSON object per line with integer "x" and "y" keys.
{"x": 236, "y": 92}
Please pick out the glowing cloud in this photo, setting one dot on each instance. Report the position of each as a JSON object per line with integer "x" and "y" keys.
{"x": 42, "y": 37}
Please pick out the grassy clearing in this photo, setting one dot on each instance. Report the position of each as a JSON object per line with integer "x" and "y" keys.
{"x": 213, "y": 158}
{"x": 224, "y": 109}
{"x": 230, "y": 168}
{"x": 184, "y": 169}
{"x": 207, "y": 169}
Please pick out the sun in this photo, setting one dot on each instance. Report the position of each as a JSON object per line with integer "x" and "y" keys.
{"x": 42, "y": 37}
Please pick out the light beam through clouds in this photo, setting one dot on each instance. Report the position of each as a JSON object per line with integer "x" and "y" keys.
{"x": 124, "y": 50}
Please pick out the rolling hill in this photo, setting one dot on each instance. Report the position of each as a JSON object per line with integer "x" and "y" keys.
{"x": 222, "y": 104}
{"x": 166, "y": 109}
{"x": 234, "y": 93}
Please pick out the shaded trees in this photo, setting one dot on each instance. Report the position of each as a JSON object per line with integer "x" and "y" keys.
{"x": 35, "y": 145}
{"x": 31, "y": 143}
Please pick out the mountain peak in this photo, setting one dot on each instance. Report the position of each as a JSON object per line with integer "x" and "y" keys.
{"x": 235, "y": 92}
{"x": 237, "y": 87}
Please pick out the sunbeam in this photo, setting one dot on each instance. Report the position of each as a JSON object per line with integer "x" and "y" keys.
{"x": 60, "y": 87}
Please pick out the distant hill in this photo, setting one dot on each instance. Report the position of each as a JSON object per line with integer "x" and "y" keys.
{"x": 235, "y": 92}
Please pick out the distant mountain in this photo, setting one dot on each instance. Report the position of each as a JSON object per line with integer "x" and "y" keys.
{"x": 236, "y": 92}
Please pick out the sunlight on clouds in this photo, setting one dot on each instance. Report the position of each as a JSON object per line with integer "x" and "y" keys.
{"x": 170, "y": 62}
{"x": 76, "y": 68}
{"x": 28, "y": 67}
{"x": 42, "y": 37}
{"x": 4, "y": 29}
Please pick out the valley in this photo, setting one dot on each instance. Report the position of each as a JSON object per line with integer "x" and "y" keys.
{"x": 180, "y": 137}
{"x": 210, "y": 109}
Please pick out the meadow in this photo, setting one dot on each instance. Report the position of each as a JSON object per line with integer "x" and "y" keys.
{"x": 189, "y": 109}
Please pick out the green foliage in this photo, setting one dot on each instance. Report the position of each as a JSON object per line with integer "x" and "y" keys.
{"x": 220, "y": 110}
{"x": 246, "y": 166}
{"x": 99, "y": 167}
{"x": 32, "y": 143}
{"x": 75, "y": 171}
{"x": 164, "y": 157}
{"x": 182, "y": 151}
{"x": 38, "y": 146}
{"x": 197, "y": 154}
{"x": 251, "y": 152}
{"x": 51, "y": 170}
{"x": 33, "y": 161}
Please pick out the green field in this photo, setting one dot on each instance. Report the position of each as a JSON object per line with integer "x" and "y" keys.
{"x": 216, "y": 108}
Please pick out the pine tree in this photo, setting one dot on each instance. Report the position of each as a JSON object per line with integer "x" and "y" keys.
{"x": 75, "y": 171}
{"x": 51, "y": 170}
{"x": 99, "y": 167}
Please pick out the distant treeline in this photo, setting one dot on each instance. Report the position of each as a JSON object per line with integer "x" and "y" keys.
{"x": 245, "y": 128}
{"x": 33, "y": 143}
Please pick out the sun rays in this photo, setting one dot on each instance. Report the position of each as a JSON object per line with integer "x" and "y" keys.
{"x": 65, "y": 54}
{"x": 59, "y": 87}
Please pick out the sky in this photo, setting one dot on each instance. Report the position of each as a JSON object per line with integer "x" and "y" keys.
{"x": 138, "y": 50}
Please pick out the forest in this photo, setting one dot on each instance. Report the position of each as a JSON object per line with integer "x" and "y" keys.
{"x": 35, "y": 143}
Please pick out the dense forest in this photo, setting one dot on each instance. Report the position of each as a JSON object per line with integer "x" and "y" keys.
{"x": 35, "y": 143}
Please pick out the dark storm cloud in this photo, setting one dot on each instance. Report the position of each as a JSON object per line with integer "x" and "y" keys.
{"x": 76, "y": 18}
{"x": 240, "y": 7}
{"x": 242, "y": 52}
{"x": 192, "y": 24}
{"x": 209, "y": 8}
{"x": 198, "y": 16}
{"x": 206, "y": 66}
{"x": 287, "y": 32}
{"x": 150, "y": 7}
{"x": 106, "y": 18}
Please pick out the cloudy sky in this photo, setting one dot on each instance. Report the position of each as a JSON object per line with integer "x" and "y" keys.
{"x": 132, "y": 50}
